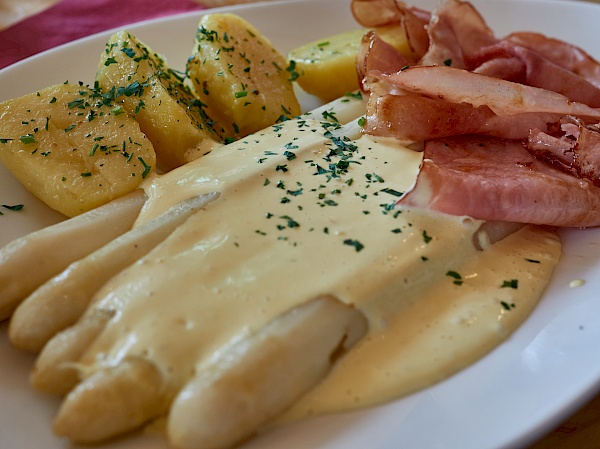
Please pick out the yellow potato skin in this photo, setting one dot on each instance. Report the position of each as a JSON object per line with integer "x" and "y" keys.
{"x": 73, "y": 148}
{"x": 167, "y": 111}
{"x": 326, "y": 68}
{"x": 236, "y": 70}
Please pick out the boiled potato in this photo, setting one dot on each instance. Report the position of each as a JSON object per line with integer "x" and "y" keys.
{"x": 168, "y": 113}
{"x": 326, "y": 68}
{"x": 72, "y": 147}
{"x": 236, "y": 70}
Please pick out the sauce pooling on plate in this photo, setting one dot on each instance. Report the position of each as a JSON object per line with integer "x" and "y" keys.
{"x": 305, "y": 209}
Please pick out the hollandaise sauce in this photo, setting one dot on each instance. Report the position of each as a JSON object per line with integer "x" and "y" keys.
{"x": 307, "y": 208}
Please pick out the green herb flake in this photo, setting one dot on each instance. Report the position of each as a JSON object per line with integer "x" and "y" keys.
{"x": 27, "y": 139}
{"x": 291, "y": 69}
{"x": 392, "y": 192}
{"x": 15, "y": 207}
{"x": 512, "y": 283}
{"x": 456, "y": 276}
{"x": 147, "y": 168}
{"x": 426, "y": 238}
{"x": 117, "y": 110}
{"x": 507, "y": 306}
{"x": 355, "y": 243}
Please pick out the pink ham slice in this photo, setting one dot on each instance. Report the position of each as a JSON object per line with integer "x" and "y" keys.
{"x": 571, "y": 146}
{"x": 510, "y": 126}
{"x": 410, "y": 20}
{"x": 438, "y": 101}
{"x": 517, "y": 63}
{"x": 456, "y": 31}
{"x": 376, "y": 54}
{"x": 497, "y": 179}
{"x": 562, "y": 53}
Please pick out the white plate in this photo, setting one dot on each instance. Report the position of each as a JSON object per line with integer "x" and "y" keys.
{"x": 541, "y": 374}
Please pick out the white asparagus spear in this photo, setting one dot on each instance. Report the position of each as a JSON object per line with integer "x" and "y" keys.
{"x": 28, "y": 262}
{"x": 58, "y": 370}
{"x": 55, "y": 370}
{"x": 261, "y": 376}
{"x": 111, "y": 401}
{"x": 60, "y": 302}
{"x": 253, "y": 381}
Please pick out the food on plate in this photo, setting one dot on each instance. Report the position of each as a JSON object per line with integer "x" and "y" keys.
{"x": 509, "y": 184}
{"x": 77, "y": 147}
{"x": 74, "y": 288}
{"x": 90, "y": 230}
{"x": 73, "y": 148}
{"x": 309, "y": 198}
{"x": 313, "y": 232}
{"x": 172, "y": 118}
{"x": 326, "y": 67}
{"x": 510, "y": 124}
{"x": 240, "y": 76}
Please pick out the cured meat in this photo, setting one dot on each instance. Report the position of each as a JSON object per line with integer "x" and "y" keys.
{"x": 570, "y": 145}
{"x": 411, "y": 21}
{"x": 437, "y": 101}
{"x": 513, "y": 62}
{"x": 374, "y": 13}
{"x": 497, "y": 179}
{"x": 456, "y": 32}
{"x": 376, "y": 54}
{"x": 511, "y": 127}
{"x": 561, "y": 53}
{"x": 416, "y": 118}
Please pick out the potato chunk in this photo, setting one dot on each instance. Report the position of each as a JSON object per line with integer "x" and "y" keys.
{"x": 236, "y": 70}
{"x": 72, "y": 147}
{"x": 326, "y": 68}
{"x": 168, "y": 113}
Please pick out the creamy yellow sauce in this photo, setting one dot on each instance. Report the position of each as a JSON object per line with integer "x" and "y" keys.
{"x": 291, "y": 223}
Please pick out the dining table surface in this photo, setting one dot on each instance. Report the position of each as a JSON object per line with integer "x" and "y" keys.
{"x": 17, "y": 19}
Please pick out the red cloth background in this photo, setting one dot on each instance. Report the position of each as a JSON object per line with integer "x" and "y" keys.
{"x": 71, "y": 19}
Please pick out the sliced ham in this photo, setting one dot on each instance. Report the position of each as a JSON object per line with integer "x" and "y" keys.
{"x": 503, "y": 97}
{"x": 456, "y": 31}
{"x": 511, "y": 127}
{"x": 410, "y": 20}
{"x": 562, "y": 53}
{"x": 416, "y": 118}
{"x": 377, "y": 55}
{"x": 437, "y": 101}
{"x": 570, "y": 145}
{"x": 497, "y": 179}
{"x": 531, "y": 68}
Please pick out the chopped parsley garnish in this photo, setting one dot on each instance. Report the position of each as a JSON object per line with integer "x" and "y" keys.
{"x": 426, "y": 238}
{"x": 15, "y": 207}
{"x": 512, "y": 283}
{"x": 391, "y": 192}
{"x": 27, "y": 139}
{"x": 355, "y": 243}
{"x": 507, "y": 306}
{"x": 458, "y": 280}
{"x": 147, "y": 168}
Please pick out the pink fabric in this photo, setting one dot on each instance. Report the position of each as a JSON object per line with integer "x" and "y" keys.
{"x": 71, "y": 19}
